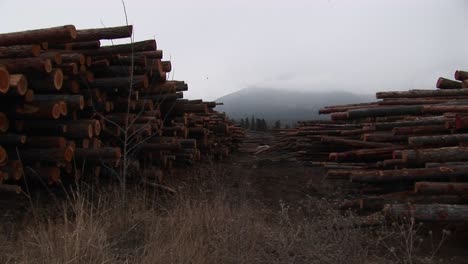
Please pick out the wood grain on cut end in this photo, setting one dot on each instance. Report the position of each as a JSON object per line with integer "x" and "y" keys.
{"x": 3, "y": 156}
{"x": 18, "y": 84}
{"x": 4, "y": 80}
{"x": 4, "y": 123}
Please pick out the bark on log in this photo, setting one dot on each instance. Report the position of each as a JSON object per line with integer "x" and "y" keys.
{"x": 4, "y": 81}
{"x": 107, "y": 153}
{"x": 117, "y": 84}
{"x": 103, "y": 33}
{"x": 376, "y": 203}
{"x": 21, "y": 51}
{"x": 35, "y": 127}
{"x": 428, "y": 212}
{"x": 69, "y": 68}
{"x": 420, "y": 130}
{"x": 461, "y": 75}
{"x": 446, "y": 164}
{"x": 443, "y": 83}
{"x": 29, "y": 65}
{"x": 146, "y": 45}
{"x": 47, "y": 155}
{"x": 39, "y": 110}
{"x": 53, "y": 34}
{"x": 3, "y": 156}
{"x": 76, "y": 45}
{"x": 385, "y": 111}
{"x": 77, "y": 58}
{"x": 422, "y": 93}
{"x": 408, "y": 174}
{"x": 441, "y": 188}
{"x": 384, "y": 137}
{"x": 363, "y": 153}
{"x": 155, "y": 54}
{"x": 446, "y": 154}
{"x": 422, "y": 101}
{"x": 54, "y": 57}
{"x": 161, "y": 146}
{"x": 354, "y": 143}
{"x": 423, "y": 122}
{"x": 46, "y": 142}
{"x": 166, "y": 66}
{"x": 440, "y": 141}
{"x": 12, "y": 140}
{"x": 52, "y": 83}
{"x": 461, "y": 122}
{"x": 74, "y": 102}
{"x": 440, "y": 109}
{"x": 10, "y": 189}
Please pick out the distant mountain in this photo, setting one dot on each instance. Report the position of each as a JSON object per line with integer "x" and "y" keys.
{"x": 284, "y": 105}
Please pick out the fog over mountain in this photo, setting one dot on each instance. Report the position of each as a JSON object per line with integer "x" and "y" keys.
{"x": 286, "y": 105}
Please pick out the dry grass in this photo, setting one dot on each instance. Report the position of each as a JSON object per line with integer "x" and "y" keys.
{"x": 214, "y": 223}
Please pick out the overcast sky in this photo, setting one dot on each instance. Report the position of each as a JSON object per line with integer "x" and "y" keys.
{"x": 219, "y": 46}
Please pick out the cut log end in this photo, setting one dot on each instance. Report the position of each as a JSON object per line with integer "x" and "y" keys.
{"x": 4, "y": 80}
{"x": 3, "y": 156}
{"x": 20, "y": 83}
{"x": 56, "y": 111}
{"x": 58, "y": 78}
{"x": 4, "y": 123}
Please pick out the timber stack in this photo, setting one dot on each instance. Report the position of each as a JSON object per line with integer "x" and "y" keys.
{"x": 71, "y": 107}
{"x": 405, "y": 154}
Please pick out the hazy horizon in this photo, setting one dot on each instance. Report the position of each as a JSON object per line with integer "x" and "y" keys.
{"x": 220, "y": 47}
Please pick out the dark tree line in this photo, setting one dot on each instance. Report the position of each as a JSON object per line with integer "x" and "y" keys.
{"x": 255, "y": 124}
{"x": 259, "y": 124}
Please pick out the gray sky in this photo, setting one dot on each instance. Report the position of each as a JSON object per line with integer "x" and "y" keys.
{"x": 219, "y": 46}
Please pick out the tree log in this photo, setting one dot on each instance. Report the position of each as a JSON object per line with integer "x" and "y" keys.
{"x": 420, "y": 130}
{"x": 18, "y": 85}
{"x": 4, "y": 80}
{"x": 422, "y": 93}
{"x": 28, "y": 65}
{"x": 74, "y": 102}
{"x": 408, "y": 174}
{"x": 12, "y": 140}
{"x": 354, "y": 143}
{"x": 3, "y": 156}
{"x": 52, "y": 83}
{"x": 422, "y": 122}
{"x": 103, "y": 33}
{"x": 21, "y": 51}
{"x": 146, "y": 45}
{"x": 441, "y": 188}
{"x": 154, "y": 54}
{"x": 47, "y": 155}
{"x": 363, "y": 154}
{"x": 443, "y": 83}
{"x": 53, "y": 34}
{"x": 383, "y": 137}
{"x": 376, "y": 203}
{"x": 446, "y": 154}
{"x": 117, "y": 84}
{"x": 439, "y": 141}
{"x": 385, "y": 111}
{"x": 461, "y": 75}
{"x": 46, "y": 142}
{"x": 39, "y": 127}
{"x": 428, "y": 212}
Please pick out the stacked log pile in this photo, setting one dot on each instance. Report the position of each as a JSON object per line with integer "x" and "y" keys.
{"x": 71, "y": 107}
{"x": 405, "y": 154}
